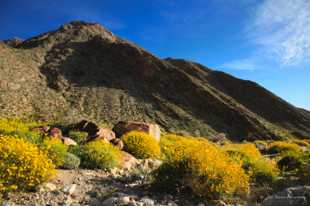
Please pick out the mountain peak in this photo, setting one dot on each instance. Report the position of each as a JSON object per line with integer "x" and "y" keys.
{"x": 82, "y": 25}
{"x": 82, "y": 70}
{"x": 75, "y": 31}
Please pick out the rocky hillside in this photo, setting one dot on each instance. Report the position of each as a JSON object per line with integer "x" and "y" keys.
{"x": 82, "y": 70}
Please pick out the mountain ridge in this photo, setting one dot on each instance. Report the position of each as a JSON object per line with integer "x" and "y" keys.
{"x": 82, "y": 70}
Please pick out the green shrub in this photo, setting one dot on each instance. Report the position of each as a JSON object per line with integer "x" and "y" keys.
{"x": 56, "y": 150}
{"x": 71, "y": 161}
{"x": 304, "y": 171}
{"x": 79, "y": 137}
{"x": 100, "y": 154}
{"x": 141, "y": 145}
{"x": 76, "y": 150}
{"x": 290, "y": 161}
{"x": 23, "y": 166}
{"x": 201, "y": 166}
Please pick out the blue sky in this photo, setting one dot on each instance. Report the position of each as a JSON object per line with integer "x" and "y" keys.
{"x": 267, "y": 41}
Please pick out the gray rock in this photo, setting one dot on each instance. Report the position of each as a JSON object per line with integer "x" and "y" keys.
{"x": 124, "y": 200}
{"x": 172, "y": 203}
{"x": 70, "y": 189}
{"x": 298, "y": 191}
{"x": 119, "y": 194}
{"x": 68, "y": 201}
{"x": 284, "y": 201}
{"x": 132, "y": 203}
{"x": 110, "y": 201}
{"x": 8, "y": 203}
{"x": 147, "y": 201}
{"x": 139, "y": 203}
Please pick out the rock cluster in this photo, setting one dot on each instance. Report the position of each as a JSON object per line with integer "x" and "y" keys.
{"x": 97, "y": 133}
{"x": 96, "y": 187}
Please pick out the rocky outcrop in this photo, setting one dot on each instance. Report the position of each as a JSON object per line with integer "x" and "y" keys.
{"x": 122, "y": 128}
{"x": 85, "y": 126}
{"x": 102, "y": 134}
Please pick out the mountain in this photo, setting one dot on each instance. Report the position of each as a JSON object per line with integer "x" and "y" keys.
{"x": 83, "y": 70}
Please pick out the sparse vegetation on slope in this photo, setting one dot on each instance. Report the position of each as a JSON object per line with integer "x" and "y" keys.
{"x": 83, "y": 70}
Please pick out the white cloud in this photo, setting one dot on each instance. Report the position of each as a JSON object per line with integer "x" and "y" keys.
{"x": 282, "y": 30}
{"x": 242, "y": 64}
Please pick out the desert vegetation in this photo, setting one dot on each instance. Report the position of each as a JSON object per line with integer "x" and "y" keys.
{"x": 31, "y": 156}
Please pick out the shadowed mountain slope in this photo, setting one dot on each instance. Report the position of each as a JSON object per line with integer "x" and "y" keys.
{"x": 82, "y": 70}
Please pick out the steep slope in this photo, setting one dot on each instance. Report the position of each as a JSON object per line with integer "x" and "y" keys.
{"x": 84, "y": 71}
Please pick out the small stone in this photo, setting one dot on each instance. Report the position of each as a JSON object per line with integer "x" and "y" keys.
{"x": 219, "y": 203}
{"x": 139, "y": 203}
{"x": 110, "y": 201}
{"x": 284, "y": 201}
{"x": 168, "y": 197}
{"x": 68, "y": 141}
{"x": 70, "y": 189}
{"x": 68, "y": 201}
{"x": 147, "y": 201}
{"x": 48, "y": 187}
{"x": 172, "y": 203}
{"x": 119, "y": 194}
{"x": 132, "y": 203}
{"x": 124, "y": 200}
{"x": 8, "y": 203}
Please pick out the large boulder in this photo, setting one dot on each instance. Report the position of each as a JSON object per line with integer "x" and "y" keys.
{"x": 129, "y": 162}
{"x": 123, "y": 127}
{"x": 85, "y": 126}
{"x": 102, "y": 134}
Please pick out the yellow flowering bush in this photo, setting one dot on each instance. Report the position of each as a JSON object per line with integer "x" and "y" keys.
{"x": 23, "y": 165}
{"x": 302, "y": 143}
{"x": 200, "y": 165}
{"x": 262, "y": 170}
{"x": 247, "y": 151}
{"x": 283, "y": 147}
{"x": 99, "y": 155}
{"x": 56, "y": 150}
{"x": 18, "y": 128}
{"x": 141, "y": 145}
